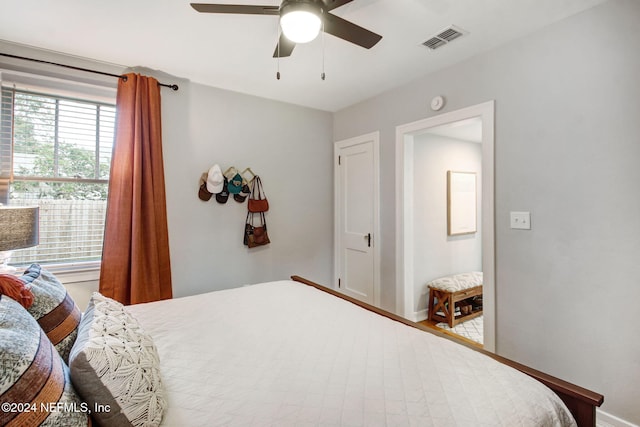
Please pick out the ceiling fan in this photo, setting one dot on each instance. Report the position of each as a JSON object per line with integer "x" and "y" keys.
{"x": 301, "y": 21}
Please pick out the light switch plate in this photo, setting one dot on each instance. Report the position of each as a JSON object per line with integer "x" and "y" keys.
{"x": 521, "y": 220}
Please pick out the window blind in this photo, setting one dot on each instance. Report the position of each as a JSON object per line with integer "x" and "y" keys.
{"x": 60, "y": 155}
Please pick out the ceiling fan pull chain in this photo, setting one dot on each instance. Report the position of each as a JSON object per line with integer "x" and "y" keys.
{"x": 322, "y": 76}
{"x": 278, "y": 59}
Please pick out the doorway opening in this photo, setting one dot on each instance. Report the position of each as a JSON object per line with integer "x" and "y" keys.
{"x": 417, "y": 263}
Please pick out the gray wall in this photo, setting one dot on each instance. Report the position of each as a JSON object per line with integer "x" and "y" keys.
{"x": 290, "y": 147}
{"x": 567, "y": 148}
{"x": 435, "y": 253}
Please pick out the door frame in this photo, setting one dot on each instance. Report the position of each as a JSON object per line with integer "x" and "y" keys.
{"x": 374, "y": 138}
{"x": 404, "y": 211}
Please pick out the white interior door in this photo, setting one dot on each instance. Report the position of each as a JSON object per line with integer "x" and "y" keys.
{"x": 357, "y": 217}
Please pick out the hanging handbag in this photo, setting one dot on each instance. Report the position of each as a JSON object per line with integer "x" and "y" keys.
{"x": 248, "y": 229}
{"x": 255, "y": 235}
{"x": 257, "y": 200}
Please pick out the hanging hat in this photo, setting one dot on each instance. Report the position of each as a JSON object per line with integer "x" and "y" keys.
{"x": 235, "y": 184}
{"x": 223, "y": 195}
{"x": 242, "y": 195}
{"x": 215, "y": 180}
{"x": 203, "y": 193}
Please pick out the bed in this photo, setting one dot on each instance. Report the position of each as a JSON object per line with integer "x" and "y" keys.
{"x": 283, "y": 353}
{"x": 291, "y": 353}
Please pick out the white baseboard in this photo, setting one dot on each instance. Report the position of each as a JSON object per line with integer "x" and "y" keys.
{"x": 419, "y": 316}
{"x": 604, "y": 419}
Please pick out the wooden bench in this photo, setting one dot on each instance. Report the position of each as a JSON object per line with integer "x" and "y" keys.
{"x": 447, "y": 293}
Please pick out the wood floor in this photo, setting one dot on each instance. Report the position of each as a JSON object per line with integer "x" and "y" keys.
{"x": 432, "y": 324}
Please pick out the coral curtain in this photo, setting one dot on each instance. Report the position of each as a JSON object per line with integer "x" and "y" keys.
{"x": 135, "y": 255}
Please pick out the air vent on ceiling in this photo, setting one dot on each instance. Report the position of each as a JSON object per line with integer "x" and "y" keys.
{"x": 444, "y": 37}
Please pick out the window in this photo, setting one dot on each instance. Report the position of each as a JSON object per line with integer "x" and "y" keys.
{"x": 57, "y": 149}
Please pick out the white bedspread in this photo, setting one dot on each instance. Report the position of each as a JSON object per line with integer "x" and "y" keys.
{"x": 285, "y": 354}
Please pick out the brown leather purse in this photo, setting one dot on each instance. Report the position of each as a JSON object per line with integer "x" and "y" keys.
{"x": 255, "y": 235}
{"x": 257, "y": 200}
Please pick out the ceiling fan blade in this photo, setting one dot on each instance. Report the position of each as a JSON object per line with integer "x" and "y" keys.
{"x": 349, "y": 31}
{"x": 285, "y": 47}
{"x": 236, "y": 8}
{"x": 333, "y": 4}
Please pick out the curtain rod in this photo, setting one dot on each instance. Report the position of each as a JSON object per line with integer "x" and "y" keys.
{"x": 173, "y": 86}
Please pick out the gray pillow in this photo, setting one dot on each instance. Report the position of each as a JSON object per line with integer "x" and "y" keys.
{"x": 115, "y": 364}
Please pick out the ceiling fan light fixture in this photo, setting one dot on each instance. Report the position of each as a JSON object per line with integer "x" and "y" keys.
{"x": 300, "y": 21}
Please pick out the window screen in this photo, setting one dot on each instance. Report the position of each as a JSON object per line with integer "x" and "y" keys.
{"x": 60, "y": 154}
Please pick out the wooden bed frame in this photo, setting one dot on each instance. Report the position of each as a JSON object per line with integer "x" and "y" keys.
{"x": 581, "y": 402}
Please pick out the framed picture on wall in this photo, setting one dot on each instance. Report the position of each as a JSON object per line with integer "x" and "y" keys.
{"x": 461, "y": 203}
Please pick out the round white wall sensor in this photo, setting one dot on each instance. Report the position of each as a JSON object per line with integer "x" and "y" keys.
{"x": 437, "y": 103}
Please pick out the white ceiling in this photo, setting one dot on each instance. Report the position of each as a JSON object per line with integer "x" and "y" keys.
{"x": 235, "y": 51}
